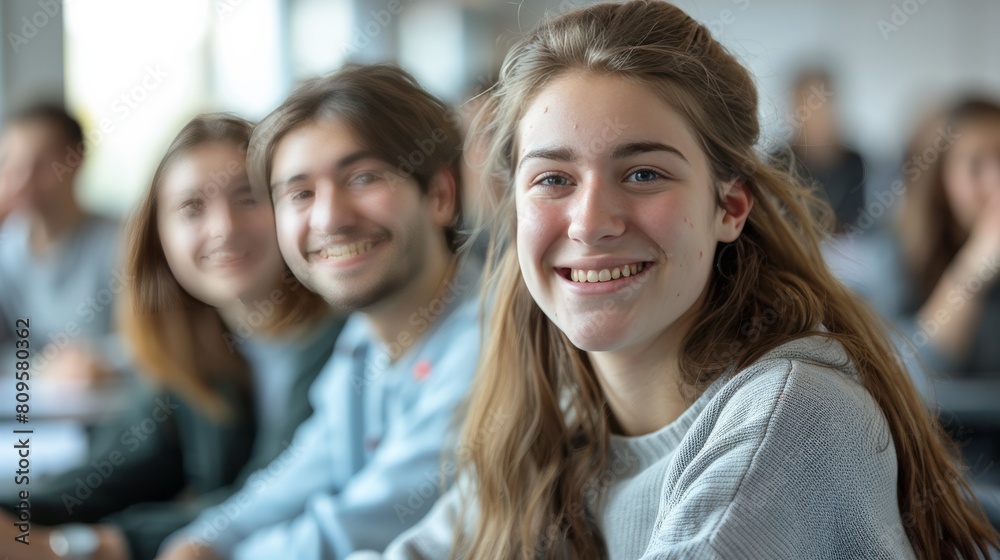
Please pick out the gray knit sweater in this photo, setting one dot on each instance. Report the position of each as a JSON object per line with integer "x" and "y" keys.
{"x": 789, "y": 458}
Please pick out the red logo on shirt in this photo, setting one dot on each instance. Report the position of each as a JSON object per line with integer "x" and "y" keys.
{"x": 421, "y": 370}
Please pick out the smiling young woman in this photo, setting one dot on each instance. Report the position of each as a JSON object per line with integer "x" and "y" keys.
{"x": 672, "y": 371}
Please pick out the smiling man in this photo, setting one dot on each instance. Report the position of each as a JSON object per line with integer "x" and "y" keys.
{"x": 362, "y": 170}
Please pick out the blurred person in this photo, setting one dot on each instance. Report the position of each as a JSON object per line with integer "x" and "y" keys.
{"x": 818, "y": 153}
{"x": 363, "y": 170}
{"x": 672, "y": 371}
{"x": 57, "y": 261}
{"x": 231, "y": 343}
{"x": 934, "y": 273}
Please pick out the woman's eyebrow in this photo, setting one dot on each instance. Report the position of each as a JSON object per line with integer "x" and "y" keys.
{"x": 557, "y": 154}
{"x": 632, "y": 148}
{"x": 185, "y": 194}
{"x": 620, "y": 152}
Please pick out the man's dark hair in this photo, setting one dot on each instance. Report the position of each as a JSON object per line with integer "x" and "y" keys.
{"x": 55, "y": 115}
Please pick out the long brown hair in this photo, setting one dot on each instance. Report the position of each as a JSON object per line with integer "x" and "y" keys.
{"x": 532, "y": 476}
{"x": 178, "y": 341}
{"x": 927, "y": 225}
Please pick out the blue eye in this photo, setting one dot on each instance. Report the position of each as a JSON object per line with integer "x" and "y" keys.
{"x": 644, "y": 175}
{"x": 553, "y": 181}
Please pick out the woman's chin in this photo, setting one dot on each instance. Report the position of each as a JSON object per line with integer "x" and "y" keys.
{"x": 236, "y": 294}
{"x": 596, "y": 340}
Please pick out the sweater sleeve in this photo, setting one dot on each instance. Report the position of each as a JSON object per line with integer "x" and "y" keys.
{"x": 798, "y": 464}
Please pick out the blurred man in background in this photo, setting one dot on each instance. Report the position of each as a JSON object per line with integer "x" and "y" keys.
{"x": 818, "y": 152}
{"x": 57, "y": 262}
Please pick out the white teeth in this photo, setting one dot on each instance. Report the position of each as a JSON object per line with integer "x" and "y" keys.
{"x": 346, "y": 251}
{"x": 606, "y": 274}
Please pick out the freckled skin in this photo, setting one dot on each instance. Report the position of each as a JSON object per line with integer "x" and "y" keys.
{"x": 603, "y": 211}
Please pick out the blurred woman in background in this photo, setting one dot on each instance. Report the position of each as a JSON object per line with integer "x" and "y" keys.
{"x": 229, "y": 339}
{"x": 937, "y": 273}
{"x": 934, "y": 275}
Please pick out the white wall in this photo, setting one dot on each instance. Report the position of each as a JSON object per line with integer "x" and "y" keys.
{"x": 943, "y": 47}
{"x": 31, "y": 55}
{"x": 884, "y": 78}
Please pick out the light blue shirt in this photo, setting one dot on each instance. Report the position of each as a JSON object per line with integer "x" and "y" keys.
{"x": 67, "y": 293}
{"x": 371, "y": 460}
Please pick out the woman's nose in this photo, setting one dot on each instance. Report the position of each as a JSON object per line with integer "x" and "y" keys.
{"x": 597, "y": 212}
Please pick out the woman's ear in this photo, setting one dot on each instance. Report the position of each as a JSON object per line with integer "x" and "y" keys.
{"x": 736, "y": 204}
